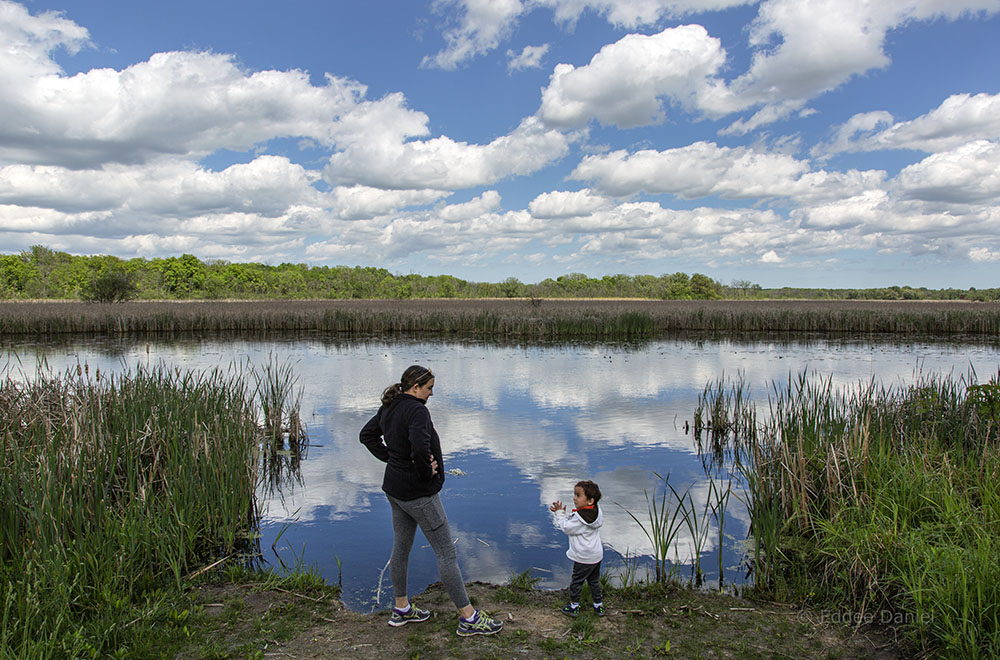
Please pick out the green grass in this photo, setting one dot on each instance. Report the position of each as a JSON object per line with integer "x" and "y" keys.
{"x": 114, "y": 492}
{"x": 645, "y": 621}
{"x": 517, "y": 588}
{"x": 882, "y": 502}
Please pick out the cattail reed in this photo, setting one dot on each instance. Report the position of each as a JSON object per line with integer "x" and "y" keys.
{"x": 113, "y": 487}
{"x": 882, "y": 501}
{"x": 674, "y": 511}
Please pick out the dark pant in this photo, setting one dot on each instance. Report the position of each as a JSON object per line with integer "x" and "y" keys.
{"x": 589, "y": 573}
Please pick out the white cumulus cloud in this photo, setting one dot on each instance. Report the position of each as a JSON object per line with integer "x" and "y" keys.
{"x": 445, "y": 164}
{"x": 698, "y": 170}
{"x": 529, "y": 58}
{"x": 562, "y": 204}
{"x": 178, "y": 103}
{"x": 28, "y": 40}
{"x": 626, "y": 82}
{"x": 488, "y": 202}
{"x": 848, "y": 212}
{"x": 969, "y": 174}
{"x": 359, "y": 202}
{"x": 476, "y": 27}
{"x": 268, "y": 185}
{"x": 980, "y": 254}
{"x": 482, "y": 25}
{"x": 182, "y": 104}
{"x": 807, "y": 47}
{"x": 960, "y": 118}
{"x": 633, "y": 13}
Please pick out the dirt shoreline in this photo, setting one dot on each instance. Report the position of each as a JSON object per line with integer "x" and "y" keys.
{"x": 647, "y": 621}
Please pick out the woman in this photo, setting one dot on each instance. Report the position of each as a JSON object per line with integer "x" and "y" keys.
{"x": 402, "y": 435}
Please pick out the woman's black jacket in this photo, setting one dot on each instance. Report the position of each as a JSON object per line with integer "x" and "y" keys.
{"x": 402, "y": 435}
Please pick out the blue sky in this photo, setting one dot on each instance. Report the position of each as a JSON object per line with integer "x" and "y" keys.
{"x": 786, "y": 142}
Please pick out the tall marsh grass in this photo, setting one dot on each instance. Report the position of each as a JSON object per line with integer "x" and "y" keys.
{"x": 114, "y": 489}
{"x": 668, "y": 515}
{"x": 285, "y": 441}
{"x": 502, "y": 319}
{"x": 881, "y": 501}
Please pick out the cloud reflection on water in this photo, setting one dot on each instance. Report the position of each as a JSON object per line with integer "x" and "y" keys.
{"x": 524, "y": 424}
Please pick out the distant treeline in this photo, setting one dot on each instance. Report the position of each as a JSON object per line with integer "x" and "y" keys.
{"x": 883, "y": 293}
{"x": 42, "y": 273}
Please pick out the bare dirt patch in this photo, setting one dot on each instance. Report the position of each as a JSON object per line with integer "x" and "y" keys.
{"x": 645, "y": 622}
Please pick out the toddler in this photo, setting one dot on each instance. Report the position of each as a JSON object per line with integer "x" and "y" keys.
{"x": 582, "y": 526}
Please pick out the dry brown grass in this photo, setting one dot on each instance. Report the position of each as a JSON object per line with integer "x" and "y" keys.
{"x": 509, "y": 318}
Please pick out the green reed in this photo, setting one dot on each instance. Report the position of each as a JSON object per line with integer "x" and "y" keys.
{"x": 113, "y": 489}
{"x": 503, "y": 319}
{"x": 884, "y": 501}
{"x": 664, "y": 525}
{"x": 673, "y": 512}
{"x": 627, "y": 575}
{"x": 285, "y": 441}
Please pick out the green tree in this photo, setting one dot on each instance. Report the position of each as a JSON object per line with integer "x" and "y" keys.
{"x": 245, "y": 280}
{"x": 446, "y": 286}
{"x": 704, "y": 287}
{"x": 290, "y": 281}
{"x": 182, "y": 275}
{"x": 114, "y": 285}
{"x": 614, "y": 285}
{"x": 647, "y": 286}
{"x": 15, "y": 273}
{"x": 571, "y": 285}
{"x": 42, "y": 261}
{"x": 511, "y": 287}
{"x": 677, "y": 287}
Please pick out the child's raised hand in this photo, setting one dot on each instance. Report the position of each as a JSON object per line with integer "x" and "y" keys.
{"x": 556, "y": 506}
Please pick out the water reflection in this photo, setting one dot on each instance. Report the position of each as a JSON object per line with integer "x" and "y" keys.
{"x": 520, "y": 424}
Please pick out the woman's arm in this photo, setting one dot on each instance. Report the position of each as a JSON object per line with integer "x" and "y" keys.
{"x": 371, "y": 437}
{"x": 421, "y": 453}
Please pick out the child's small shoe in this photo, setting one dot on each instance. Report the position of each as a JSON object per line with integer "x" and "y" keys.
{"x": 599, "y": 610}
{"x": 569, "y": 610}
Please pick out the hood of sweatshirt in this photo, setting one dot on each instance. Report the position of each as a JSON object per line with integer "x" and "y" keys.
{"x": 591, "y": 517}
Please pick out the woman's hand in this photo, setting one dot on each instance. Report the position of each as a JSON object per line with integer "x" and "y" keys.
{"x": 434, "y": 466}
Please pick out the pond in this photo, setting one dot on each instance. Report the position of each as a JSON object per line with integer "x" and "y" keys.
{"x": 520, "y": 424}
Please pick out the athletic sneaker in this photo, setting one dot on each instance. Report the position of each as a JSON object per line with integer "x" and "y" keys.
{"x": 569, "y": 610}
{"x": 480, "y": 625}
{"x": 415, "y": 615}
{"x": 599, "y": 610}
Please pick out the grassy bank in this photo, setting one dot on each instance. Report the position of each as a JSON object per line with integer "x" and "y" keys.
{"x": 235, "y": 619}
{"x": 505, "y": 319}
{"x": 882, "y": 502}
{"x": 114, "y": 490}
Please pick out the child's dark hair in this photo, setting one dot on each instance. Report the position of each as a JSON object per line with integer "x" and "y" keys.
{"x": 590, "y": 490}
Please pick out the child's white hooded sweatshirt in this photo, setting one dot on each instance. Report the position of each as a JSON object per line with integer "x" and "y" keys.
{"x": 584, "y": 538}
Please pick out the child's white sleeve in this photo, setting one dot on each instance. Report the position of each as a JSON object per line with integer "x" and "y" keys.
{"x": 559, "y": 518}
{"x": 569, "y": 524}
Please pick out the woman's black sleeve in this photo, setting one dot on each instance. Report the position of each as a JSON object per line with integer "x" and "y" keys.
{"x": 371, "y": 437}
{"x": 420, "y": 427}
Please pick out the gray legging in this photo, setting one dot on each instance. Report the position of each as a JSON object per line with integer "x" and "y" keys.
{"x": 428, "y": 512}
